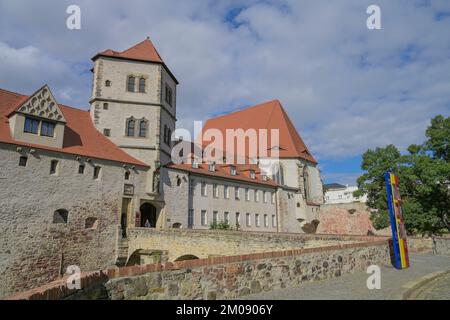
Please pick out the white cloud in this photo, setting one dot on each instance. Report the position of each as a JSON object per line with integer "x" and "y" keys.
{"x": 346, "y": 88}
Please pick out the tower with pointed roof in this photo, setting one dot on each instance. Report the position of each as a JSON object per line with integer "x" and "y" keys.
{"x": 133, "y": 103}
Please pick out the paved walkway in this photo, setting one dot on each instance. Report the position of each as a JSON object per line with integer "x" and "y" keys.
{"x": 437, "y": 289}
{"x": 353, "y": 286}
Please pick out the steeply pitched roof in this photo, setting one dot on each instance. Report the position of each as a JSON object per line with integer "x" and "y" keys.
{"x": 80, "y": 136}
{"x": 143, "y": 51}
{"x": 268, "y": 115}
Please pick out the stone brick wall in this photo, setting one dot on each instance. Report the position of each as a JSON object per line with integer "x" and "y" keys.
{"x": 221, "y": 277}
{"x": 346, "y": 218}
{"x": 33, "y": 249}
{"x": 238, "y": 276}
{"x": 207, "y": 243}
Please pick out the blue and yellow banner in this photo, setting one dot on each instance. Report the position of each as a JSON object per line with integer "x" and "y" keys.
{"x": 397, "y": 223}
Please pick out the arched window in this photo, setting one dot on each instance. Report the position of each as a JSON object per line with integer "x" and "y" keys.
{"x": 141, "y": 85}
{"x": 305, "y": 182}
{"x": 130, "y": 127}
{"x": 60, "y": 216}
{"x": 130, "y": 84}
{"x": 143, "y": 128}
{"x": 127, "y": 175}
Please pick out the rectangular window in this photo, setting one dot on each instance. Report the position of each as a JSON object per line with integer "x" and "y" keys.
{"x": 248, "y": 220}
{"x": 238, "y": 219}
{"x": 233, "y": 170}
{"x": 273, "y": 197}
{"x": 23, "y": 161}
{"x": 81, "y": 168}
{"x": 190, "y": 218}
{"x": 212, "y": 167}
{"x": 204, "y": 190}
{"x": 236, "y": 193}
{"x": 107, "y": 132}
{"x": 215, "y": 217}
{"x": 47, "y": 129}
{"x": 256, "y": 195}
{"x": 226, "y": 192}
{"x": 31, "y": 125}
{"x": 266, "y": 221}
{"x": 191, "y": 186}
{"x": 265, "y": 197}
{"x": 204, "y": 218}
{"x": 247, "y": 194}
{"x": 274, "y": 221}
{"x": 215, "y": 190}
{"x": 257, "y": 219}
{"x": 226, "y": 217}
{"x": 54, "y": 167}
{"x": 97, "y": 170}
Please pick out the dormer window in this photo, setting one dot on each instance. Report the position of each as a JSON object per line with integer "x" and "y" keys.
{"x": 252, "y": 174}
{"x": 233, "y": 170}
{"x": 47, "y": 129}
{"x": 31, "y": 125}
{"x": 212, "y": 166}
{"x": 194, "y": 164}
{"x": 264, "y": 177}
{"x": 130, "y": 83}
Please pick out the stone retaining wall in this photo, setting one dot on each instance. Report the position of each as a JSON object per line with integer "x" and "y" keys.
{"x": 441, "y": 246}
{"x": 222, "y": 277}
{"x": 209, "y": 243}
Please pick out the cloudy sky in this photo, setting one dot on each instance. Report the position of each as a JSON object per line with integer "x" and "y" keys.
{"x": 345, "y": 87}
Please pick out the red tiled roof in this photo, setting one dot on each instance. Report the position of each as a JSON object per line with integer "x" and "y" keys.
{"x": 143, "y": 51}
{"x": 268, "y": 115}
{"x": 223, "y": 171}
{"x": 80, "y": 136}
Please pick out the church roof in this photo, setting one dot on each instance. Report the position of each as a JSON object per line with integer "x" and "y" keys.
{"x": 268, "y": 115}
{"x": 143, "y": 51}
{"x": 80, "y": 136}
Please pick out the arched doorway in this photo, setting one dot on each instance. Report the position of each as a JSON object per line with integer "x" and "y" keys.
{"x": 149, "y": 215}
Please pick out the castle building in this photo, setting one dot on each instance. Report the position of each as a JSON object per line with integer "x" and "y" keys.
{"x": 73, "y": 181}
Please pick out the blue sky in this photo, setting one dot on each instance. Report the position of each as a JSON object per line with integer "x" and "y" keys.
{"x": 346, "y": 88}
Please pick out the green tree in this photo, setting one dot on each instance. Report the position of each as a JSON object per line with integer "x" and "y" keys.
{"x": 424, "y": 175}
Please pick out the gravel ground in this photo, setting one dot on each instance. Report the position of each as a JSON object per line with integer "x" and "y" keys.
{"x": 353, "y": 286}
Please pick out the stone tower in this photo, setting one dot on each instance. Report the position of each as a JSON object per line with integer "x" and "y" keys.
{"x": 134, "y": 104}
